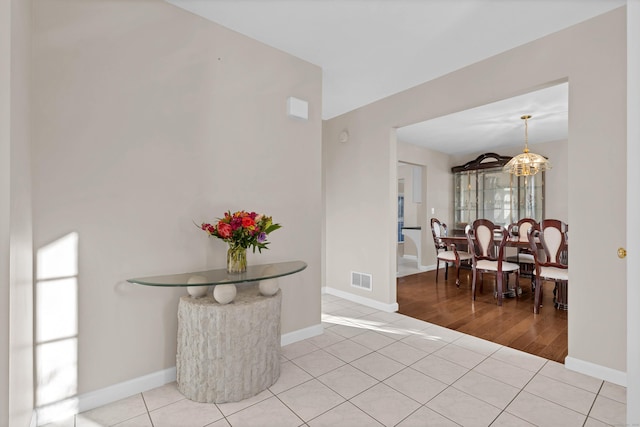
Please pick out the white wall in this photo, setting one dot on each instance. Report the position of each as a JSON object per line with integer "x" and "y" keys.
{"x": 16, "y": 285}
{"x": 591, "y": 56}
{"x": 633, "y": 204}
{"x": 149, "y": 118}
{"x": 5, "y": 203}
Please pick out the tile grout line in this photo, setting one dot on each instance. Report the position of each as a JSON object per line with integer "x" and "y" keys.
{"x": 593, "y": 403}
{"x": 146, "y": 407}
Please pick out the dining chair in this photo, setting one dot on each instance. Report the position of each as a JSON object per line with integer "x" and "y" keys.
{"x": 519, "y": 233}
{"x": 488, "y": 255}
{"x": 551, "y": 260}
{"x": 446, "y": 253}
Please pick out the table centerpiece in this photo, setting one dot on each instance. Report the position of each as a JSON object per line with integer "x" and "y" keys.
{"x": 241, "y": 230}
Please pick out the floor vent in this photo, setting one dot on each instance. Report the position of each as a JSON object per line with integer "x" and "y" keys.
{"x": 361, "y": 280}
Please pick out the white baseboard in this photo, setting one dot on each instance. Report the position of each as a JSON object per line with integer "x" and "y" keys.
{"x": 607, "y": 374}
{"x": 420, "y": 266}
{"x": 94, "y": 399}
{"x": 104, "y": 396}
{"x": 389, "y": 308}
{"x": 301, "y": 334}
{"x": 426, "y": 267}
{"x": 124, "y": 389}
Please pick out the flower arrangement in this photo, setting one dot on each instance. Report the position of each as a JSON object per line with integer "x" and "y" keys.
{"x": 243, "y": 229}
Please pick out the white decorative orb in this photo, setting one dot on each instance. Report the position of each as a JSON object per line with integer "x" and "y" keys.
{"x": 197, "y": 291}
{"x": 224, "y": 294}
{"x": 269, "y": 287}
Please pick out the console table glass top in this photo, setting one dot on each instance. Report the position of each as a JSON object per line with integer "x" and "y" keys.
{"x": 221, "y": 277}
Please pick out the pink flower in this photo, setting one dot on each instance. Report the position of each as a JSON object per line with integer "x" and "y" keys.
{"x": 224, "y": 230}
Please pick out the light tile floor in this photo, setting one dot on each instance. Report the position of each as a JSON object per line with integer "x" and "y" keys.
{"x": 372, "y": 368}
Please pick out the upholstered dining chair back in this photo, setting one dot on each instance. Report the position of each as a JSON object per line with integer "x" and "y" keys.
{"x": 488, "y": 255}
{"x": 446, "y": 253}
{"x": 438, "y": 230}
{"x": 551, "y": 260}
{"x": 553, "y": 236}
{"x": 522, "y": 228}
{"x": 483, "y": 239}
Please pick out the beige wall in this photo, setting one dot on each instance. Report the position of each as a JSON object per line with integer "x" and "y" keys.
{"x": 149, "y": 118}
{"x": 591, "y": 56}
{"x": 16, "y": 285}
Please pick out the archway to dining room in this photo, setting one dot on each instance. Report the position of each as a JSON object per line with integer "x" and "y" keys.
{"x": 443, "y": 303}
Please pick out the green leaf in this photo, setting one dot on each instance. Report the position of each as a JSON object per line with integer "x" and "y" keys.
{"x": 272, "y": 227}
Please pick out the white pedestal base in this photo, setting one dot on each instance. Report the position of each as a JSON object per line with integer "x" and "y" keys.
{"x": 230, "y": 352}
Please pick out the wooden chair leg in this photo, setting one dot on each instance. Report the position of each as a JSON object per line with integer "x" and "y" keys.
{"x": 561, "y": 297}
{"x": 537, "y": 299}
{"x": 499, "y": 280}
{"x": 473, "y": 284}
{"x": 446, "y": 270}
{"x": 437, "y": 268}
{"x": 458, "y": 276}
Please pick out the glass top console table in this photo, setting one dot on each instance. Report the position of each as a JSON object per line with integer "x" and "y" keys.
{"x": 197, "y": 283}
{"x": 220, "y": 276}
{"x": 228, "y": 349}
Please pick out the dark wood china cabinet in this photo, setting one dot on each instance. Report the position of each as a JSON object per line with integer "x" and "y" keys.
{"x": 482, "y": 190}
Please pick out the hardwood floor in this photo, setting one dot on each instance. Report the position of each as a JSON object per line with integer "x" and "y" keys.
{"x": 513, "y": 325}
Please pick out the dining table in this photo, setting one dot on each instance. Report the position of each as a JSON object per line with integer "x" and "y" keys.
{"x": 462, "y": 243}
{"x": 560, "y": 293}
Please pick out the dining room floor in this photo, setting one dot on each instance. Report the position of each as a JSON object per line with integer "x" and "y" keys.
{"x": 373, "y": 368}
{"x": 513, "y": 324}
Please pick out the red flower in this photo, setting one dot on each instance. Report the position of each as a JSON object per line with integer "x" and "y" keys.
{"x": 208, "y": 228}
{"x": 247, "y": 221}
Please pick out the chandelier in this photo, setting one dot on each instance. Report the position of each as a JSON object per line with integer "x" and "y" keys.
{"x": 527, "y": 163}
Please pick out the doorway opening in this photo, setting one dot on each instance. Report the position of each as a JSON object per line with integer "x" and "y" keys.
{"x": 411, "y": 219}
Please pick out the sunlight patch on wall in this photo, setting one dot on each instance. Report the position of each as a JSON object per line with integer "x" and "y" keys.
{"x": 58, "y": 259}
{"x": 56, "y": 308}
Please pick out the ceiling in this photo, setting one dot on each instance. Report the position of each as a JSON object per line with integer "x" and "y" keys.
{"x": 370, "y": 49}
{"x": 496, "y": 125}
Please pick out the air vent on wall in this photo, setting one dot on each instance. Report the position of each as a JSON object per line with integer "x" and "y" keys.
{"x": 361, "y": 280}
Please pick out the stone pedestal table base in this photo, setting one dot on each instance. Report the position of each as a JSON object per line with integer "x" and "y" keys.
{"x": 230, "y": 352}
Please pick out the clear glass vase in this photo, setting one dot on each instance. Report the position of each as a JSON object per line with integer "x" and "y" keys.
{"x": 236, "y": 259}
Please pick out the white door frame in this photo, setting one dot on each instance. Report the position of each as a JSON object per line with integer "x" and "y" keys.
{"x": 633, "y": 207}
